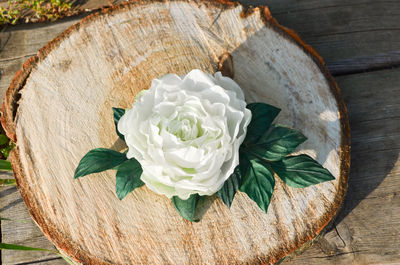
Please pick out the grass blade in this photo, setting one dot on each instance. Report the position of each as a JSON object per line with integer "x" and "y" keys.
{"x": 5, "y": 165}
{"x": 25, "y": 248}
{"x": 7, "y": 182}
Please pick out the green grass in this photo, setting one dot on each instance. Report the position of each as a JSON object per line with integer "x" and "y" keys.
{"x": 35, "y": 11}
{"x": 26, "y": 248}
{"x": 5, "y": 147}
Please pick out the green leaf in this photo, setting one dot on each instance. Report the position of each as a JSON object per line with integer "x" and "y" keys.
{"x": 257, "y": 181}
{"x": 20, "y": 247}
{"x": 98, "y": 160}
{"x": 3, "y": 139}
{"x": 25, "y": 248}
{"x": 128, "y": 177}
{"x": 187, "y": 208}
{"x": 278, "y": 142}
{"x": 5, "y": 165}
{"x": 301, "y": 171}
{"x": 262, "y": 117}
{"x": 7, "y": 182}
{"x": 6, "y": 150}
{"x": 231, "y": 185}
{"x": 12, "y": 220}
{"x": 118, "y": 112}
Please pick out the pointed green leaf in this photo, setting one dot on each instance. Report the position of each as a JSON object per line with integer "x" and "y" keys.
{"x": 118, "y": 112}
{"x": 5, "y": 165}
{"x": 257, "y": 181}
{"x": 262, "y": 117}
{"x": 278, "y": 142}
{"x": 128, "y": 177}
{"x": 187, "y": 208}
{"x": 231, "y": 185}
{"x": 301, "y": 171}
{"x": 98, "y": 160}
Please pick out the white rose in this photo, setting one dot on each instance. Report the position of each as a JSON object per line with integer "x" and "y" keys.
{"x": 186, "y": 132}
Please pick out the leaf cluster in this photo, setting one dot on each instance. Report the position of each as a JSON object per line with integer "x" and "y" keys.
{"x": 264, "y": 153}
{"x": 101, "y": 159}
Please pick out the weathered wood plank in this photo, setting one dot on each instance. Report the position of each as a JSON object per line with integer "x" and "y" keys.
{"x": 365, "y": 63}
{"x": 368, "y": 227}
{"x": 341, "y": 30}
{"x": 21, "y": 231}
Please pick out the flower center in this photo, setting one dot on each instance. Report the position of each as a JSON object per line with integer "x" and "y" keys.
{"x": 185, "y": 129}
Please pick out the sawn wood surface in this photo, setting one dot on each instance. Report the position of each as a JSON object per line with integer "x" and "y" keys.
{"x": 367, "y": 230}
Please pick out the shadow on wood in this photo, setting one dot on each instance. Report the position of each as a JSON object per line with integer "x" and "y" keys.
{"x": 374, "y": 152}
{"x": 310, "y": 19}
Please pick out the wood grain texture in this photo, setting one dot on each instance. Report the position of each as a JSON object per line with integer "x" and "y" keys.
{"x": 341, "y": 29}
{"x": 367, "y": 231}
{"x": 362, "y": 213}
{"x": 362, "y": 64}
{"x": 370, "y": 204}
{"x": 191, "y": 36}
{"x": 21, "y": 230}
{"x": 367, "y": 228}
{"x": 19, "y": 43}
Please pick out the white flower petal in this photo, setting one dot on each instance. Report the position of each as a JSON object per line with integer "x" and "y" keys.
{"x": 172, "y": 80}
{"x": 227, "y": 82}
{"x": 197, "y": 79}
{"x": 186, "y": 132}
{"x": 186, "y": 157}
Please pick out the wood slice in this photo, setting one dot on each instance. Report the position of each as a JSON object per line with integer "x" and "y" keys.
{"x": 58, "y": 107}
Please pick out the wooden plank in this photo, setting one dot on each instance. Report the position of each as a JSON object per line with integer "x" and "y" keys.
{"x": 341, "y": 30}
{"x": 22, "y": 230}
{"x": 364, "y": 63}
{"x": 367, "y": 231}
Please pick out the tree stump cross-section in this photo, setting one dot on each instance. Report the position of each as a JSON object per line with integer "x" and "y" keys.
{"x": 58, "y": 107}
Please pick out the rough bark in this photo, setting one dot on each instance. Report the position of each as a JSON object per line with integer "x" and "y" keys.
{"x": 58, "y": 107}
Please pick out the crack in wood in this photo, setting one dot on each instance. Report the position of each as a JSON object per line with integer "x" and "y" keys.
{"x": 38, "y": 261}
{"x": 337, "y": 232}
{"x": 363, "y": 64}
{"x": 330, "y": 6}
{"x": 337, "y": 254}
{"x": 16, "y": 57}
